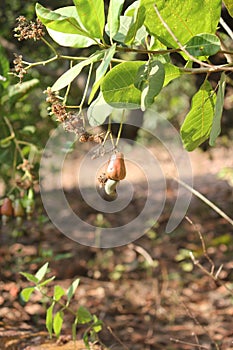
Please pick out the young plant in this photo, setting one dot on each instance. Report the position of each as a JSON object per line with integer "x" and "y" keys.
{"x": 59, "y": 303}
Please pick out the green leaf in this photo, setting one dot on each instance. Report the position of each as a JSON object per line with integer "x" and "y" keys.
{"x": 197, "y": 125}
{"x": 18, "y": 91}
{"x": 203, "y": 45}
{"x": 113, "y": 20}
{"x": 102, "y": 69}
{"x": 66, "y": 78}
{"x": 183, "y": 18}
{"x": 171, "y": 72}
{"x": 98, "y": 111}
{"x": 125, "y": 23}
{"x": 91, "y": 14}
{"x": 58, "y": 293}
{"x": 118, "y": 86}
{"x": 26, "y": 293}
{"x": 136, "y": 23}
{"x": 83, "y": 315}
{"x": 30, "y": 277}
{"x": 70, "y": 40}
{"x": 41, "y": 272}
{"x": 229, "y": 6}
{"x": 132, "y": 8}
{"x": 57, "y": 323}
{"x": 216, "y": 126}
{"x": 150, "y": 79}
{"x": 49, "y": 320}
{"x": 47, "y": 281}
{"x": 97, "y": 324}
{"x": 60, "y": 23}
{"x": 71, "y": 290}
{"x": 4, "y": 68}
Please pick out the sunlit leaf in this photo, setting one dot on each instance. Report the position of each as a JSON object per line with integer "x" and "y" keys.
{"x": 70, "y": 40}
{"x": 113, "y": 20}
{"x": 59, "y": 22}
{"x": 98, "y": 111}
{"x": 136, "y": 23}
{"x": 71, "y": 290}
{"x": 30, "y": 277}
{"x": 57, "y": 323}
{"x": 67, "y": 78}
{"x": 171, "y": 72}
{"x": 91, "y": 14}
{"x": 102, "y": 69}
{"x": 49, "y": 320}
{"x": 203, "y": 45}
{"x": 41, "y": 272}
{"x": 118, "y": 86}
{"x": 26, "y": 293}
{"x": 197, "y": 125}
{"x": 229, "y": 6}
{"x": 183, "y": 18}
{"x": 58, "y": 292}
{"x": 216, "y": 126}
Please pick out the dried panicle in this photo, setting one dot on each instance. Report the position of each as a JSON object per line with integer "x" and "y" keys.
{"x": 19, "y": 69}
{"x": 28, "y": 30}
{"x": 25, "y": 166}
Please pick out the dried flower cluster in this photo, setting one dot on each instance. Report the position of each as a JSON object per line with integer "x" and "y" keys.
{"x": 19, "y": 69}
{"x": 70, "y": 121}
{"x": 28, "y": 30}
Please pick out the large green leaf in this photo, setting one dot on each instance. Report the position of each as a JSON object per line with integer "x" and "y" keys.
{"x": 98, "y": 111}
{"x": 186, "y": 18}
{"x": 60, "y": 23}
{"x": 70, "y": 40}
{"x": 118, "y": 86}
{"x": 229, "y": 6}
{"x": 66, "y": 78}
{"x": 113, "y": 21}
{"x": 136, "y": 23}
{"x": 216, "y": 126}
{"x": 171, "y": 72}
{"x": 149, "y": 80}
{"x": 102, "y": 69}
{"x": 203, "y": 45}
{"x": 91, "y": 14}
{"x": 197, "y": 125}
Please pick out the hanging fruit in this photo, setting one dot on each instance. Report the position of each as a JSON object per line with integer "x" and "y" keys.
{"x": 18, "y": 211}
{"x": 116, "y": 167}
{"x": 6, "y": 210}
{"x": 108, "y": 191}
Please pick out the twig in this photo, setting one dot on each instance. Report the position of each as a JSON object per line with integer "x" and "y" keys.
{"x": 182, "y": 48}
{"x": 206, "y": 201}
{"x": 189, "y": 344}
{"x": 117, "y": 338}
{"x": 140, "y": 250}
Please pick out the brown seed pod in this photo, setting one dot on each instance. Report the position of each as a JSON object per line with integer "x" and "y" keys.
{"x": 116, "y": 167}
{"x": 6, "y": 210}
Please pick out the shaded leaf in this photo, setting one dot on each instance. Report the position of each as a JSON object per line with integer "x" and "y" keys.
{"x": 57, "y": 323}
{"x": 91, "y": 14}
{"x": 71, "y": 290}
{"x": 229, "y": 6}
{"x": 66, "y": 78}
{"x": 113, "y": 20}
{"x": 216, "y": 126}
{"x": 70, "y": 40}
{"x": 18, "y": 91}
{"x": 4, "y": 68}
{"x": 118, "y": 86}
{"x": 98, "y": 111}
{"x": 83, "y": 315}
{"x": 149, "y": 80}
{"x": 197, "y": 125}
{"x": 41, "y": 272}
{"x": 203, "y": 45}
{"x": 26, "y": 293}
{"x": 183, "y": 20}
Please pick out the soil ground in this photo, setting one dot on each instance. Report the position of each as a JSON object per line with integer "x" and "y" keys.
{"x": 148, "y": 293}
